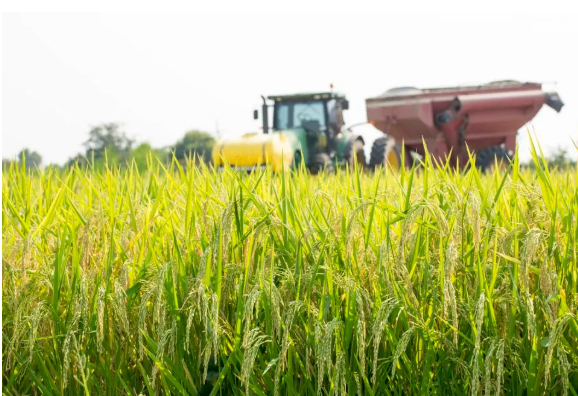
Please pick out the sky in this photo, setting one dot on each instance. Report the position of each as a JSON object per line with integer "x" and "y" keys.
{"x": 162, "y": 74}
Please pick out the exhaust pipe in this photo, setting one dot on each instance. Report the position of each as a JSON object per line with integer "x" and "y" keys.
{"x": 265, "y": 112}
{"x": 553, "y": 100}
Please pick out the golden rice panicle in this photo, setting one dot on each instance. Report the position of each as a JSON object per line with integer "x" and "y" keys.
{"x": 251, "y": 346}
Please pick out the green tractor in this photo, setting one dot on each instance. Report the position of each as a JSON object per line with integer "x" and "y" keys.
{"x": 307, "y": 128}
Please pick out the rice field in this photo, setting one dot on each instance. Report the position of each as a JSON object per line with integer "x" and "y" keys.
{"x": 202, "y": 281}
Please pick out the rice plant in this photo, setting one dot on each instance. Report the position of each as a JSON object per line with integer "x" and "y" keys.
{"x": 195, "y": 280}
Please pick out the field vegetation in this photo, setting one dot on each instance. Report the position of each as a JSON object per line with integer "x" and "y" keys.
{"x": 192, "y": 280}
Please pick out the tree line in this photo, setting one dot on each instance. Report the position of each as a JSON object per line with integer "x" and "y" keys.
{"x": 107, "y": 143}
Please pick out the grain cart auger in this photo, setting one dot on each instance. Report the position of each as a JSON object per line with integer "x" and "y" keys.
{"x": 484, "y": 118}
{"x": 306, "y": 127}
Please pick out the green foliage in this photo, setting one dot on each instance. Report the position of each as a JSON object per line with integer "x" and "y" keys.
{"x": 110, "y": 139}
{"x": 7, "y": 163}
{"x": 194, "y": 143}
{"x": 559, "y": 159}
{"x": 190, "y": 279}
{"x": 106, "y": 144}
{"x": 145, "y": 152}
{"x": 31, "y": 159}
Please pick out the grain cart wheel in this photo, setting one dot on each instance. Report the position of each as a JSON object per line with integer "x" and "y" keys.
{"x": 353, "y": 152}
{"x": 487, "y": 157}
{"x": 385, "y": 152}
{"x": 321, "y": 161}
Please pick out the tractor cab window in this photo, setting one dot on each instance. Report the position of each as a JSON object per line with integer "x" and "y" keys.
{"x": 292, "y": 114}
{"x": 331, "y": 111}
{"x": 282, "y": 115}
{"x": 309, "y": 111}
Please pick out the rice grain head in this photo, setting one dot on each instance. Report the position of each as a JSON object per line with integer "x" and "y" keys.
{"x": 500, "y": 368}
{"x": 488, "y": 368}
{"x": 250, "y": 348}
{"x": 293, "y": 309}
{"x": 479, "y": 317}
{"x": 563, "y": 369}
{"x": 555, "y": 334}
{"x": 100, "y": 318}
{"x": 379, "y": 324}
{"x": 402, "y": 345}
{"x": 324, "y": 349}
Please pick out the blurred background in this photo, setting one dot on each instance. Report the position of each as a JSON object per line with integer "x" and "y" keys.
{"x": 70, "y": 79}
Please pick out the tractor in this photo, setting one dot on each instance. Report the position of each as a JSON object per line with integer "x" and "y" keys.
{"x": 307, "y": 128}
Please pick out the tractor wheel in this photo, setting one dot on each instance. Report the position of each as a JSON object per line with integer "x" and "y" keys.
{"x": 385, "y": 152}
{"x": 487, "y": 158}
{"x": 353, "y": 152}
{"x": 320, "y": 162}
{"x": 296, "y": 164}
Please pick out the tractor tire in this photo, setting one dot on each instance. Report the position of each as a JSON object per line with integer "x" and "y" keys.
{"x": 384, "y": 152}
{"x": 297, "y": 159}
{"x": 486, "y": 158}
{"x": 353, "y": 152}
{"x": 321, "y": 162}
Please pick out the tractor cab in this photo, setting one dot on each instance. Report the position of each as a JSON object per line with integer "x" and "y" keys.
{"x": 319, "y": 114}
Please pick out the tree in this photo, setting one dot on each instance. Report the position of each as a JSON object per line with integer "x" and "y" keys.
{"x": 53, "y": 167}
{"x": 560, "y": 158}
{"x": 79, "y": 159}
{"x": 31, "y": 159}
{"x": 194, "y": 142}
{"x": 108, "y": 138}
{"x": 6, "y": 163}
{"x": 105, "y": 141}
{"x": 141, "y": 153}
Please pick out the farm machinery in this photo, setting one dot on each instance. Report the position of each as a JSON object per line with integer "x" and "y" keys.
{"x": 484, "y": 119}
{"x": 306, "y": 128}
{"x": 309, "y": 128}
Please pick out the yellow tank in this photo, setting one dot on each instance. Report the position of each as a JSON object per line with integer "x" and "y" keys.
{"x": 253, "y": 150}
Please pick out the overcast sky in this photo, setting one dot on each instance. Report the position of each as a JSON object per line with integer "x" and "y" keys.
{"x": 163, "y": 74}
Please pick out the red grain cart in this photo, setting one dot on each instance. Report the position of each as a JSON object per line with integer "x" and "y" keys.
{"x": 486, "y": 118}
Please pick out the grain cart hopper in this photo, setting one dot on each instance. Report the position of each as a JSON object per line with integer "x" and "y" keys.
{"x": 306, "y": 127}
{"x": 486, "y": 118}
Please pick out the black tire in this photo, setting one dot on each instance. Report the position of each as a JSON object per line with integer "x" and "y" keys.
{"x": 380, "y": 151}
{"x": 353, "y": 152}
{"x": 320, "y": 162}
{"x": 486, "y": 158}
{"x": 297, "y": 159}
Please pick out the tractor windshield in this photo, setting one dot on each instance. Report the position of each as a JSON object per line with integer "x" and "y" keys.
{"x": 292, "y": 114}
